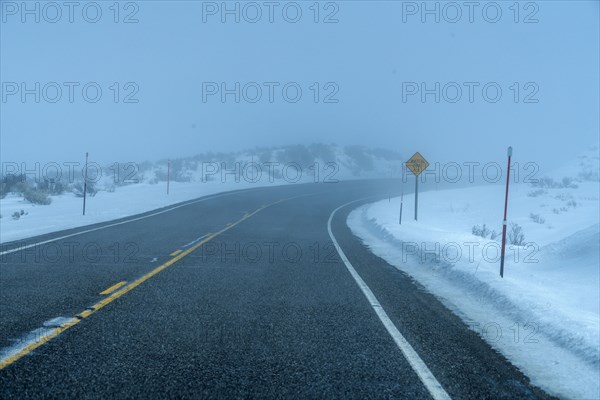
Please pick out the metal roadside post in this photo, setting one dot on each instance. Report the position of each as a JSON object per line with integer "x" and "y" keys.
{"x": 416, "y": 196}
{"x": 505, "y": 209}
{"x": 401, "y": 201}
{"x": 417, "y": 164}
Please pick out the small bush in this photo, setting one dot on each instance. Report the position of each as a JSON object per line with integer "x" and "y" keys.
{"x": 545, "y": 182}
{"x": 481, "y": 231}
{"x": 568, "y": 182}
{"x": 11, "y": 183}
{"x": 515, "y": 234}
{"x": 572, "y": 203}
{"x": 90, "y": 189}
{"x": 537, "y": 218}
{"x": 51, "y": 186}
{"x": 16, "y": 215}
{"x": 549, "y": 183}
{"x": 536, "y": 193}
{"x": 110, "y": 187}
{"x": 37, "y": 196}
{"x": 494, "y": 235}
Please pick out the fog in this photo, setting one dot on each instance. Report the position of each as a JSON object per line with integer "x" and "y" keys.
{"x": 145, "y": 80}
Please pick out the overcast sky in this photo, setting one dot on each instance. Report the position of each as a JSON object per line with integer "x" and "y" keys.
{"x": 370, "y": 67}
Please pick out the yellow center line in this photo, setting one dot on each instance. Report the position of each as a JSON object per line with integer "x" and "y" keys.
{"x": 176, "y": 252}
{"x": 113, "y": 287}
{"x": 115, "y": 295}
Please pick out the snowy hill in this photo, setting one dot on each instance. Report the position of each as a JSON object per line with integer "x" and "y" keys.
{"x": 35, "y": 206}
{"x": 314, "y": 163}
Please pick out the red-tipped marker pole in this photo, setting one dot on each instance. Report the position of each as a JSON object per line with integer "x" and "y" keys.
{"x": 505, "y": 208}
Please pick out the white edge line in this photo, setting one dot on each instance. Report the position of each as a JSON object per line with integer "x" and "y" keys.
{"x": 205, "y": 198}
{"x": 418, "y": 365}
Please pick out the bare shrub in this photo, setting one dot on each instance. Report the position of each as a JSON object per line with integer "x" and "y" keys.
{"x": 537, "y": 218}
{"x": 515, "y": 234}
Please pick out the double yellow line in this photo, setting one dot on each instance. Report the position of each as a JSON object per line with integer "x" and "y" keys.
{"x": 93, "y": 309}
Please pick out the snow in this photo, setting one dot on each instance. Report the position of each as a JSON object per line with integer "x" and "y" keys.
{"x": 544, "y": 315}
{"x": 65, "y": 211}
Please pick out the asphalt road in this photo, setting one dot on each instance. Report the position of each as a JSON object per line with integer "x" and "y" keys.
{"x": 243, "y": 295}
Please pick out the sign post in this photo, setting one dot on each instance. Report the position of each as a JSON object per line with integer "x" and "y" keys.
{"x": 85, "y": 181}
{"x": 416, "y": 196}
{"x": 417, "y": 164}
{"x": 504, "y": 220}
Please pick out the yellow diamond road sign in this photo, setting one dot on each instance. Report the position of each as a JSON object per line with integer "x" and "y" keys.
{"x": 417, "y": 164}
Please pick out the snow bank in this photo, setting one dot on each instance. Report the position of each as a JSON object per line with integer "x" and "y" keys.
{"x": 65, "y": 211}
{"x": 544, "y": 315}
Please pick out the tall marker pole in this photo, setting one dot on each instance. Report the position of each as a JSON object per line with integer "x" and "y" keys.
{"x": 505, "y": 208}
{"x": 85, "y": 181}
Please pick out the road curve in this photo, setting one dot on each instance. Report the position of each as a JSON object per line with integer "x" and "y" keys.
{"x": 243, "y": 295}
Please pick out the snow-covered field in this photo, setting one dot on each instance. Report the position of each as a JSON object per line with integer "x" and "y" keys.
{"x": 544, "y": 315}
